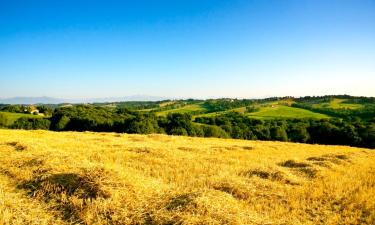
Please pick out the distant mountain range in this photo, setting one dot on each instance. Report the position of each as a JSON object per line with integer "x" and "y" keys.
{"x": 49, "y": 100}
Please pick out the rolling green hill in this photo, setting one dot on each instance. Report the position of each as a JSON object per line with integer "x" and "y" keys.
{"x": 191, "y": 108}
{"x": 274, "y": 110}
{"x": 11, "y": 117}
{"x": 337, "y": 103}
{"x": 281, "y": 111}
{"x": 286, "y": 107}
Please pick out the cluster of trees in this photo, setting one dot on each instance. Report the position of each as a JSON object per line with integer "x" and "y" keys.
{"x": 252, "y": 108}
{"x": 94, "y": 118}
{"x": 47, "y": 111}
{"x": 329, "y": 98}
{"x": 325, "y": 131}
{"x": 15, "y": 108}
{"x": 231, "y": 125}
{"x": 135, "y": 105}
{"x": 31, "y": 124}
{"x": 217, "y": 105}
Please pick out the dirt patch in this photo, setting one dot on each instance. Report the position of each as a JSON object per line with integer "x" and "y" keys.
{"x": 17, "y": 146}
{"x": 269, "y": 175}
{"x": 137, "y": 139}
{"x": 140, "y": 150}
{"x": 310, "y": 172}
{"x": 69, "y": 193}
{"x": 323, "y": 164}
{"x": 301, "y": 168}
{"x": 335, "y": 159}
{"x": 294, "y": 164}
{"x": 236, "y": 192}
{"x": 181, "y": 201}
{"x": 70, "y": 184}
{"x": 33, "y": 162}
{"x": 342, "y": 157}
{"x": 187, "y": 149}
{"x": 316, "y": 159}
{"x": 227, "y": 148}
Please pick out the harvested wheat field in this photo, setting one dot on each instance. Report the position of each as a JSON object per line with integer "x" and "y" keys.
{"x": 107, "y": 178}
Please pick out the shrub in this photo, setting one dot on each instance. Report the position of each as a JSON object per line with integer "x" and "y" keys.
{"x": 31, "y": 124}
{"x": 3, "y": 120}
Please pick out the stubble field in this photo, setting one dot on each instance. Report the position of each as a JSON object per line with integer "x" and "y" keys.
{"x": 107, "y": 178}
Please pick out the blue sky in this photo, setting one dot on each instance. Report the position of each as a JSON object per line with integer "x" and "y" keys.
{"x": 187, "y": 48}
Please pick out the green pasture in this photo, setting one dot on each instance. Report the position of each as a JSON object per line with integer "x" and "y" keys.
{"x": 281, "y": 111}
{"x": 185, "y": 109}
{"x": 11, "y": 117}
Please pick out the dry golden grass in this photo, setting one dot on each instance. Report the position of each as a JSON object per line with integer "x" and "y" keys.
{"x": 107, "y": 178}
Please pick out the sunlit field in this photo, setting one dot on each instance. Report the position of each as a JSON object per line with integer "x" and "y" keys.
{"x": 281, "y": 111}
{"x": 339, "y": 104}
{"x": 107, "y": 178}
{"x": 195, "y": 108}
{"x": 11, "y": 117}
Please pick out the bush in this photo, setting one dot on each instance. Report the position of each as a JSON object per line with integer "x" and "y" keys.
{"x": 252, "y": 108}
{"x": 298, "y": 133}
{"x": 278, "y": 134}
{"x": 214, "y": 131}
{"x": 178, "y": 131}
{"x": 3, "y": 120}
{"x": 31, "y": 124}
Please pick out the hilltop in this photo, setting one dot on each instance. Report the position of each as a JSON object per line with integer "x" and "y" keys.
{"x": 108, "y": 178}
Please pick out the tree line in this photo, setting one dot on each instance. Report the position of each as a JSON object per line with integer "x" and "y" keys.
{"x": 354, "y": 132}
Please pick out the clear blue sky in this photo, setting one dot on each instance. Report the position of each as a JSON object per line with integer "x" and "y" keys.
{"x": 187, "y": 48}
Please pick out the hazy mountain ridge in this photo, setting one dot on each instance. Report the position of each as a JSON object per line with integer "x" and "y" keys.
{"x": 50, "y": 100}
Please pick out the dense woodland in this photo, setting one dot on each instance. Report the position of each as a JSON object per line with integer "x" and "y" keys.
{"x": 355, "y": 127}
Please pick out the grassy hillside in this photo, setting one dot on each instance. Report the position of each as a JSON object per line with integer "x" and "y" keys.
{"x": 281, "y": 111}
{"x": 337, "y": 103}
{"x": 108, "y": 178}
{"x": 273, "y": 110}
{"x": 282, "y": 108}
{"x": 11, "y": 117}
{"x": 191, "y": 108}
{"x": 213, "y": 114}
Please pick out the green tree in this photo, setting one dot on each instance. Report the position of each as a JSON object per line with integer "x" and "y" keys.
{"x": 298, "y": 133}
{"x": 214, "y": 131}
{"x": 278, "y": 134}
{"x": 62, "y": 123}
{"x": 3, "y": 120}
{"x": 31, "y": 124}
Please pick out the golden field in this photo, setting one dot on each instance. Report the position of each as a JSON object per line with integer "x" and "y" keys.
{"x": 107, "y": 178}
